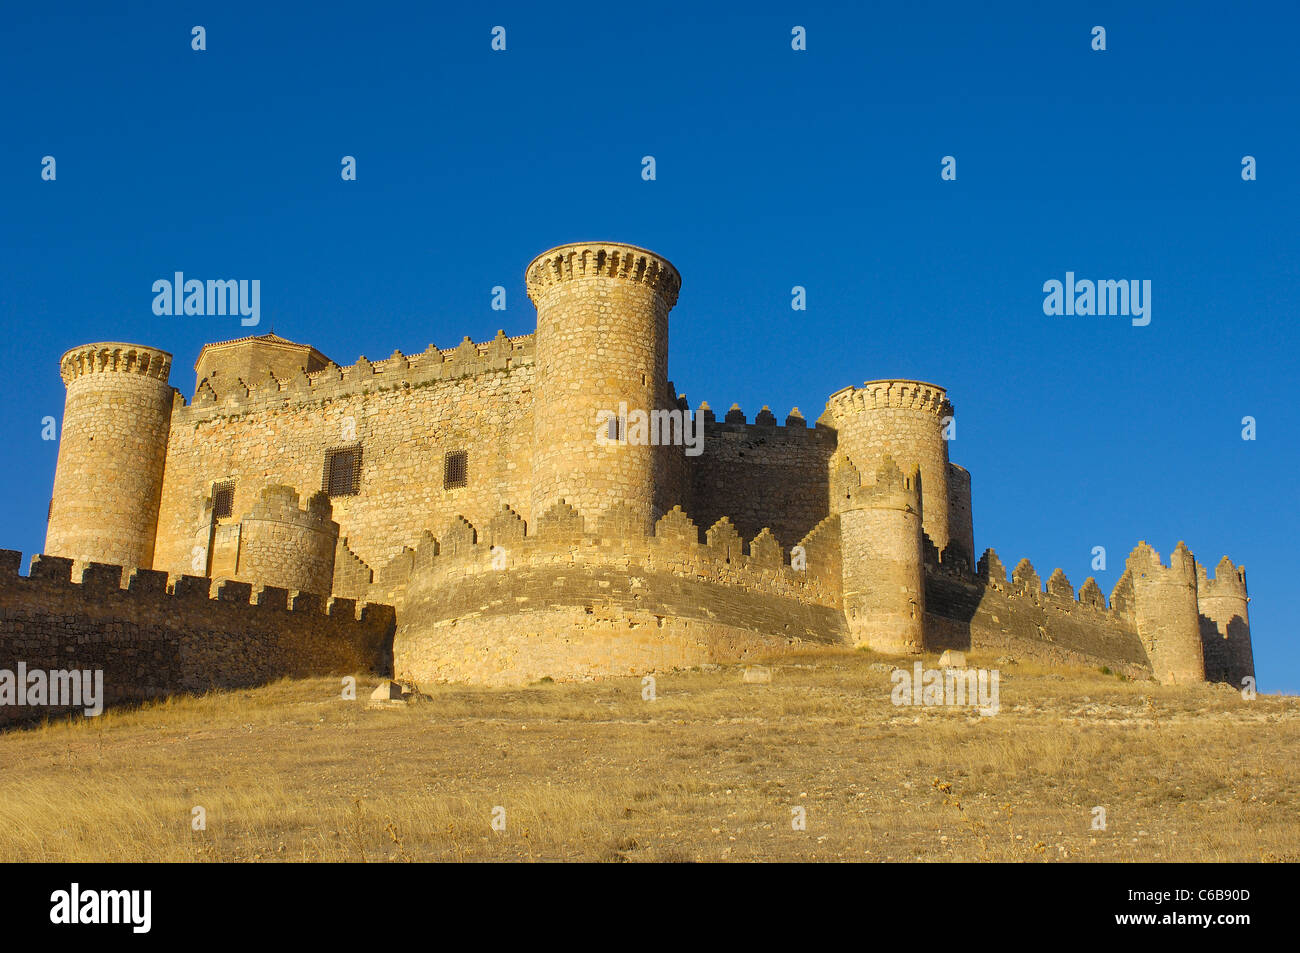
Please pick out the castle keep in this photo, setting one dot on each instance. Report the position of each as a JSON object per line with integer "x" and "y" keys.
{"x": 521, "y": 526}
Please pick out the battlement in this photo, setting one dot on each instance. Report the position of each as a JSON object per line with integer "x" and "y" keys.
{"x": 152, "y": 636}
{"x": 1145, "y": 560}
{"x": 898, "y": 394}
{"x": 473, "y": 599}
{"x": 1026, "y": 582}
{"x": 580, "y": 260}
{"x": 565, "y": 536}
{"x": 764, "y": 424}
{"x": 115, "y": 358}
{"x": 398, "y": 370}
{"x": 1022, "y": 619}
{"x": 764, "y": 428}
{"x": 892, "y": 488}
{"x": 54, "y": 575}
{"x": 1228, "y": 580}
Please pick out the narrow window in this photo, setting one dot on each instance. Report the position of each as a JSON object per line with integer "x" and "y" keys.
{"x": 342, "y": 471}
{"x": 455, "y": 469}
{"x": 223, "y": 499}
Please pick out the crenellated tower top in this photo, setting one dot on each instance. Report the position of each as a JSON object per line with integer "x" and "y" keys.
{"x": 602, "y": 260}
{"x": 113, "y": 357}
{"x": 902, "y": 394}
{"x": 892, "y": 489}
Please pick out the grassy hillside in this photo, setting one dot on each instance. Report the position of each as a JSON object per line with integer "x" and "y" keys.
{"x": 710, "y": 770}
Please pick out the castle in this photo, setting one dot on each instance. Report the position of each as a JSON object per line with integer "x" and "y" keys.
{"x": 504, "y": 498}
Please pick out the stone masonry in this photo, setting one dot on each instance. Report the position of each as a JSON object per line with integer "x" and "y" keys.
{"x": 510, "y": 500}
{"x": 151, "y": 637}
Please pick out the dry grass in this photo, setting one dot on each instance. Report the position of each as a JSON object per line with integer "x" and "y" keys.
{"x": 708, "y": 771}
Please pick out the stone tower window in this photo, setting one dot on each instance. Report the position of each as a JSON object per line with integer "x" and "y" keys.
{"x": 455, "y": 469}
{"x": 342, "y": 471}
{"x": 223, "y": 499}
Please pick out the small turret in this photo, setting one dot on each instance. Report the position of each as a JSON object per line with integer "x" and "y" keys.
{"x": 282, "y": 545}
{"x": 1225, "y": 623}
{"x": 906, "y": 420}
{"x": 1165, "y": 611}
{"x": 883, "y": 562}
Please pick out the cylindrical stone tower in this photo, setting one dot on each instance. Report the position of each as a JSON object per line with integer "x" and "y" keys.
{"x": 282, "y": 545}
{"x": 602, "y": 348}
{"x": 905, "y": 419}
{"x": 883, "y": 563}
{"x": 108, "y": 481}
{"x": 1224, "y": 603}
{"x": 1166, "y": 614}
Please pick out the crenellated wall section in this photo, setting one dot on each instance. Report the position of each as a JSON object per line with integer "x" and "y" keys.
{"x": 573, "y": 598}
{"x": 403, "y": 415}
{"x": 989, "y": 613}
{"x": 762, "y": 474}
{"x": 152, "y": 636}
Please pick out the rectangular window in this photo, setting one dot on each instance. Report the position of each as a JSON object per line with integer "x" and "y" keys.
{"x": 223, "y": 499}
{"x": 455, "y": 469}
{"x": 342, "y": 471}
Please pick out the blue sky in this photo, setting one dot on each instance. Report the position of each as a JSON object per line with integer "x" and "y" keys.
{"x": 775, "y": 168}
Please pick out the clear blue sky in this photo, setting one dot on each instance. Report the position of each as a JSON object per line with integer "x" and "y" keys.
{"x": 775, "y": 168}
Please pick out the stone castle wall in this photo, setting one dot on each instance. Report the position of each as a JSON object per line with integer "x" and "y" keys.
{"x": 601, "y": 566}
{"x": 1018, "y": 618}
{"x": 762, "y": 475}
{"x": 578, "y": 600}
{"x": 961, "y": 521}
{"x": 152, "y": 639}
{"x": 405, "y": 414}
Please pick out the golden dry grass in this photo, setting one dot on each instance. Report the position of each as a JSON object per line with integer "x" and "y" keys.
{"x": 711, "y": 770}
